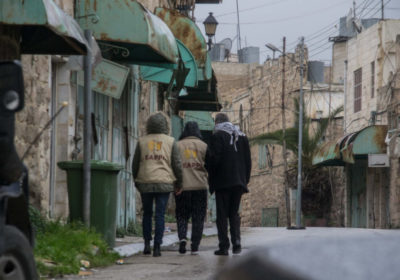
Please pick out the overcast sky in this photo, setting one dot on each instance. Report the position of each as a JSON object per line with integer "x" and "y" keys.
{"x": 267, "y": 21}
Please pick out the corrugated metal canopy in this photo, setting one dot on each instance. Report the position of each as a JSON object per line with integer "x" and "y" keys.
{"x": 190, "y": 35}
{"x": 127, "y": 32}
{"x": 202, "y": 98}
{"x": 45, "y": 28}
{"x": 162, "y": 75}
{"x": 328, "y": 154}
{"x": 370, "y": 140}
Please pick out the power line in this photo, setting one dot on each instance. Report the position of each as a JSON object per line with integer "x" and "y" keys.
{"x": 252, "y": 8}
{"x": 287, "y": 18}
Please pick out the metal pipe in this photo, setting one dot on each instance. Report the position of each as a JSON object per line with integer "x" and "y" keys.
{"x": 345, "y": 96}
{"x": 238, "y": 27}
{"x": 300, "y": 147}
{"x": 283, "y": 112}
{"x": 87, "y": 129}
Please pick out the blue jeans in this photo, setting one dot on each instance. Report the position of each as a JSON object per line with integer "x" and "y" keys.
{"x": 161, "y": 204}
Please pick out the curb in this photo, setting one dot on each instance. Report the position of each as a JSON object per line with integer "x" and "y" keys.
{"x": 134, "y": 248}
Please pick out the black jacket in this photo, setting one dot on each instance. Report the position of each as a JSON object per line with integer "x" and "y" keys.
{"x": 227, "y": 167}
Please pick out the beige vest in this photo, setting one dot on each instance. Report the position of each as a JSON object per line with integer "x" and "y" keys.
{"x": 155, "y": 159}
{"x": 193, "y": 153}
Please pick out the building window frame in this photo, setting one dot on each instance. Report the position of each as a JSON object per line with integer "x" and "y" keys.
{"x": 357, "y": 90}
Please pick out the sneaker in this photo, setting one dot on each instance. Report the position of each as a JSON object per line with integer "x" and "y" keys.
{"x": 194, "y": 249}
{"x": 182, "y": 246}
{"x": 237, "y": 249}
{"x": 221, "y": 252}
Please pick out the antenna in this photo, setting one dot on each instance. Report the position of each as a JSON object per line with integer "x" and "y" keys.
{"x": 238, "y": 26}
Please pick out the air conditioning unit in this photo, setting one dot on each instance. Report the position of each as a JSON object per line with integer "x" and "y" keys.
{"x": 378, "y": 160}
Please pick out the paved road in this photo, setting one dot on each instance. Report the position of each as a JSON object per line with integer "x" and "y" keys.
{"x": 315, "y": 253}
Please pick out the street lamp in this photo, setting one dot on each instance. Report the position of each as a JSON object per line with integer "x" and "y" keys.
{"x": 210, "y": 25}
{"x": 273, "y": 49}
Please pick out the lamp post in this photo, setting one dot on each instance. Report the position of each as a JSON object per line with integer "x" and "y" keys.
{"x": 273, "y": 49}
{"x": 210, "y": 25}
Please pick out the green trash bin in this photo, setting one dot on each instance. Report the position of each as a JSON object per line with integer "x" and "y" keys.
{"x": 103, "y": 195}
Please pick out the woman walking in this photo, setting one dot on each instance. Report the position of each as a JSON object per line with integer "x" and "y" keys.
{"x": 157, "y": 171}
{"x": 191, "y": 202}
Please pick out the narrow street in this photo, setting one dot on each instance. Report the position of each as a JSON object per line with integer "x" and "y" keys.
{"x": 314, "y": 253}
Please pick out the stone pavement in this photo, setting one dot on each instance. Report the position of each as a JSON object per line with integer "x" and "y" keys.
{"x": 314, "y": 253}
{"x": 168, "y": 240}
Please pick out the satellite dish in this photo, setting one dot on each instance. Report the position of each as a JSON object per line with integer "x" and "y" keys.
{"x": 227, "y": 42}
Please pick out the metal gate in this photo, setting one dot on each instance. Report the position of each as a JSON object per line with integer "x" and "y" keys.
{"x": 123, "y": 143}
{"x": 269, "y": 217}
{"x": 358, "y": 191}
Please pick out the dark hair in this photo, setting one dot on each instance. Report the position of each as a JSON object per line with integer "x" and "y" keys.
{"x": 221, "y": 117}
{"x": 191, "y": 129}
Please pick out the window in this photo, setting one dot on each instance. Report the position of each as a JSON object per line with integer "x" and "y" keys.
{"x": 264, "y": 157}
{"x": 357, "y": 89}
{"x": 372, "y": 79}
{"x": 153, "y": 97}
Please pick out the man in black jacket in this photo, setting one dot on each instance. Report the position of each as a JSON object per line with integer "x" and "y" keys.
{"x": 228, "y": 163}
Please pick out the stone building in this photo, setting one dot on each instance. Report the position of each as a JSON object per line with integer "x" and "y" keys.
{"x": 251, "y": 95}
{"x": 366, "y": 63}
{"x": 121, "y": 102}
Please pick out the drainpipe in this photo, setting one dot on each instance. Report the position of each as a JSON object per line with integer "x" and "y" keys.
{"x": 345, "y": 96}
{"x": 87, "y": 130}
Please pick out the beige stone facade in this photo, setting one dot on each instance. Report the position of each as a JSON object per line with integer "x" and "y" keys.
{"x": 370, "y": 94}
{"x": 50, "y": 81}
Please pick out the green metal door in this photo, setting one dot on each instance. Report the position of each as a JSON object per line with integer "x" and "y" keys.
{"x": 101, "y": 120}
{"x": 269, "y": 217}
{"x": 124, "y": 131}
{"x": 358, "y": 191}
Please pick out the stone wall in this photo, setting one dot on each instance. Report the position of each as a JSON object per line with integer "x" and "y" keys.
{"x": 394, "y": 145}
{"x": 339, "y": 54}
{"x": 252, "y": 97}
{"x": 375, "y": 44}
{"x": 30, "y": 121}
{"x": 257, "y": 90}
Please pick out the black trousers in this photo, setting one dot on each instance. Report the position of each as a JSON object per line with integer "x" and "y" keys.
{"x": 228, "y": 203}
{"x": 191, "y": 204}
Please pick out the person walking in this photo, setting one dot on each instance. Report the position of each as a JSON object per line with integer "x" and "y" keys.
{"x": 228, "y": 162}
{"x": 191, "y": 202}
{"x": 157, "y": 171}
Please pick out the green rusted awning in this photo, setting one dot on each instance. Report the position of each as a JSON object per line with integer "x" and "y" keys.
{"x": 44, "y": 27}
{"x": 203, "y": 119}
{"x": 370, "y": 140}
{"x": 163, "y": 75}
{"x": 190, "y": 35}
{"x": 127, "y": 32}
{"x": 202, "y": 98}
{"x": 328, "y": 154}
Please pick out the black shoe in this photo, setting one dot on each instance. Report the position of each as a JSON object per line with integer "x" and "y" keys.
{"x": 221, "y": 252}
{"x": 237, "y": 249}
{"x": 194, "y": 249}
{"x": 182, "y": 246}
{"x": 156, "y": 250}
{"x": 146, "y": 250}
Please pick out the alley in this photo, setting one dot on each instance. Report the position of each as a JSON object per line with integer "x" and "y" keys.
{"x": 315, "y": 253}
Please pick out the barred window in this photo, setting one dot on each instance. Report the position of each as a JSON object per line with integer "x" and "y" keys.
{"x": 357, "y": 89}
{"x": 372, "y": 79}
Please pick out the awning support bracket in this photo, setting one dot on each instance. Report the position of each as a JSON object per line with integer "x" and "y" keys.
{"x": 94, "y": 16}
{"x": 104, "y": 47}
